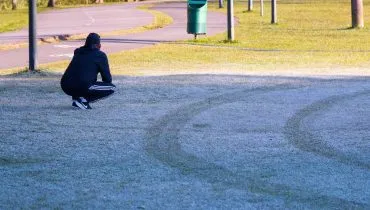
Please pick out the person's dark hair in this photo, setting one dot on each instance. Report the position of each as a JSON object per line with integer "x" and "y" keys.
{"x": 92, "y": 39}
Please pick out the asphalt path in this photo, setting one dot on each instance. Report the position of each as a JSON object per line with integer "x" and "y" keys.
{"x": 81, "y": 20}
{"x": 64, "y": 50}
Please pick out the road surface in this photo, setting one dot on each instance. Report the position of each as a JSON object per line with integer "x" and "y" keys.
{"x": 60, "y": 22}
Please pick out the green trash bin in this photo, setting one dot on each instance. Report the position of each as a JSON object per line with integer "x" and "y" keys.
{"x": 197, "y": 17}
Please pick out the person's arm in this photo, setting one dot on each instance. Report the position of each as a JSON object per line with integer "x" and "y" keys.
{"x": 104, "y": 68}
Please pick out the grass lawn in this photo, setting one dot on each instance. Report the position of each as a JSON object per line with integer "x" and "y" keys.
{"x": 308, "y": 25}
{"x": 310, "y": 36}
{"x": 13, "y": 20}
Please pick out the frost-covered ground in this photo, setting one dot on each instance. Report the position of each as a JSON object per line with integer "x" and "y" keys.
{"x": 187, "y": 142}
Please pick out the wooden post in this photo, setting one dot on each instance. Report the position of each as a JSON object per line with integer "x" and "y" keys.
{"x": 273, "y": 12}
{"x": 14, "y": 4}
{"x": 261, "y": 7}
{"x": 357, "y": 8}
{"x": 220, "y": 3}
{"x": 230, "y": 20}
{"x": 250, "y": 5}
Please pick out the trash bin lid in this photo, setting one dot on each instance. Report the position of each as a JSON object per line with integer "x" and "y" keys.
{"x": 197, "y": 1}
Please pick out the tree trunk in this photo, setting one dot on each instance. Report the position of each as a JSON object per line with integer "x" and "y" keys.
{"x": 220, "y": 3}
{"x": 51, "y": 3}
{"x": 14, "y": 4}
{"x": 357, "y": 13}
{"x": 99, "y": 1}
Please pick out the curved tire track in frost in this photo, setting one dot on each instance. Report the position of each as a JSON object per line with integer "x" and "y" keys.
{"x": 306, "y": 141}
{"x": 163, "y": 144}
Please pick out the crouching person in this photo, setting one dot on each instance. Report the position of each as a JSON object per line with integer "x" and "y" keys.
{"x": 80, "y": 78}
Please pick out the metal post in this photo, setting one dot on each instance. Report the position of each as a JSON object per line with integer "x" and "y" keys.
{"x": 32, "y": 35}
{"x": 230, "y": 20}
{"x": 261, "y": 7}
{"x": 273, "y": 12}
{"x": 357, "y": 14}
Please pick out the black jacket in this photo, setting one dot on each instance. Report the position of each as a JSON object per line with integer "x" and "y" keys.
{"x": 83, "y": 70}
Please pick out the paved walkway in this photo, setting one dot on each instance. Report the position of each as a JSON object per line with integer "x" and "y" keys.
{"x": 81, "y": 20}
{"x": 63, "y": 50}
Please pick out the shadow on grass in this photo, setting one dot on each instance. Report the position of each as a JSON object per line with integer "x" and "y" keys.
{"x": 350, "y": 28}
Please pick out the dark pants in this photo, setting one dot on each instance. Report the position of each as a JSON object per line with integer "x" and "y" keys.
{"x": 97, "y": 91}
